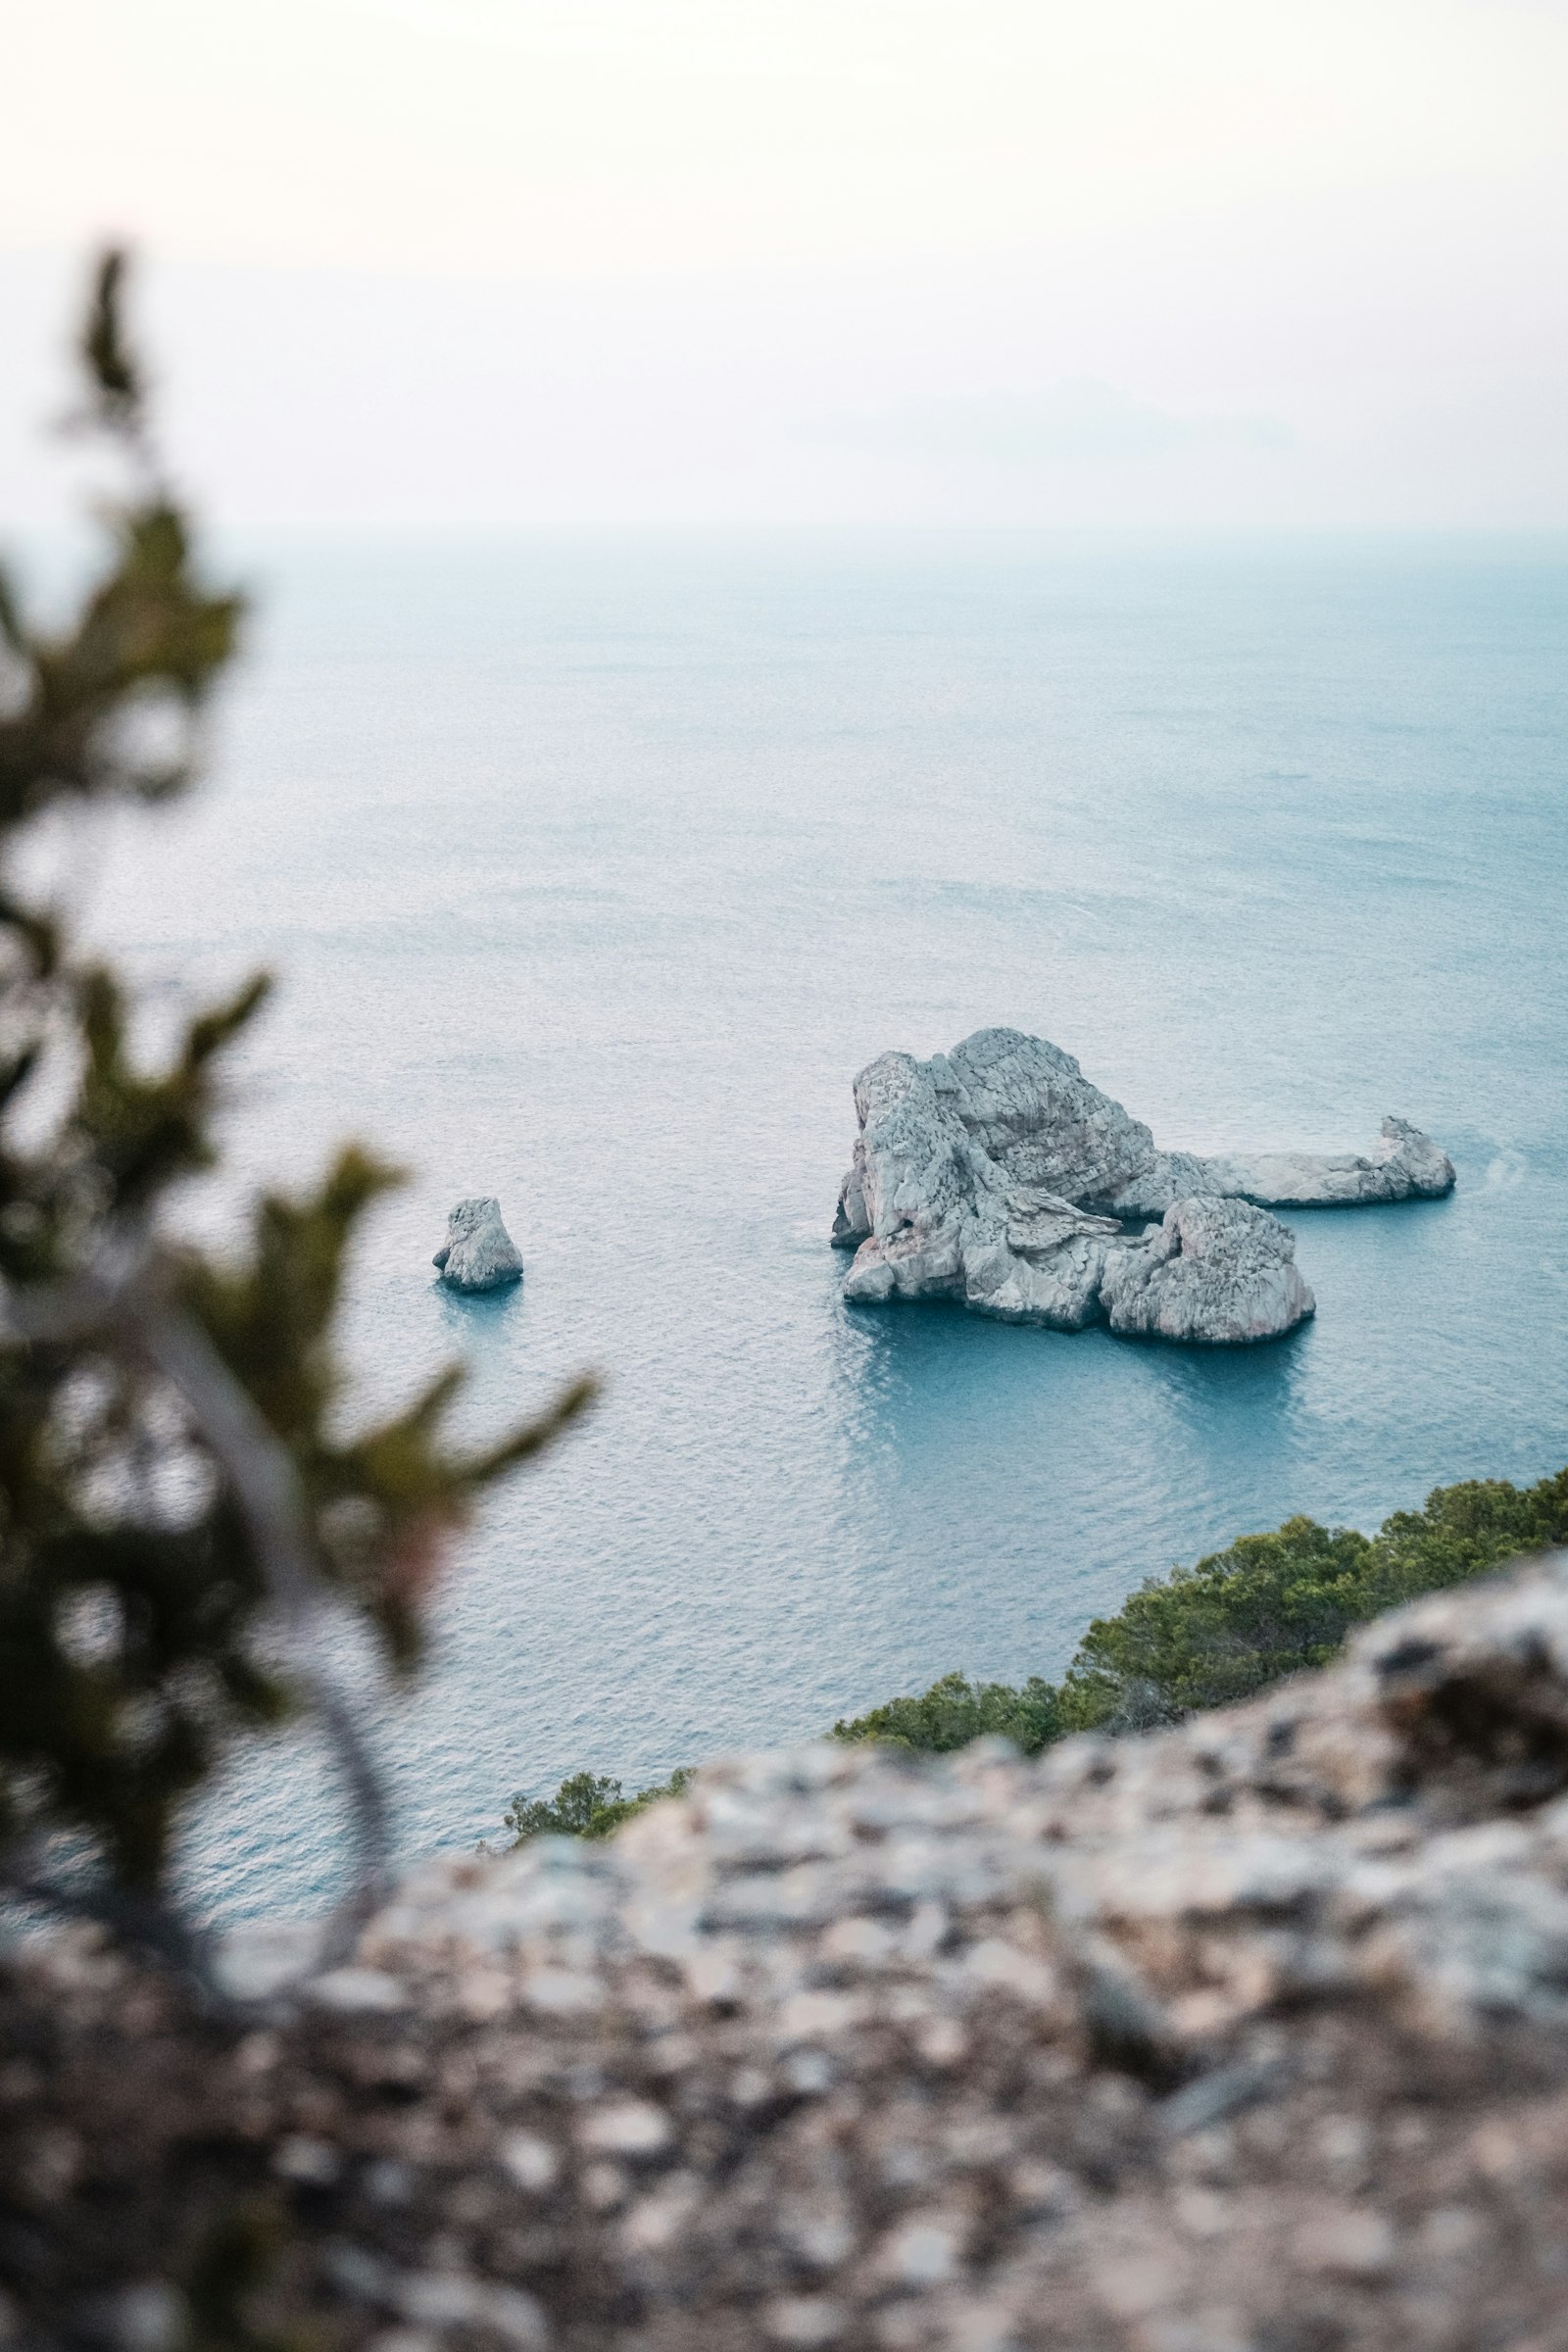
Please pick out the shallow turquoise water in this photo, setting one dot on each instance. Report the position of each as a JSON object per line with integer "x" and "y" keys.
{"x": 597, "y": 869}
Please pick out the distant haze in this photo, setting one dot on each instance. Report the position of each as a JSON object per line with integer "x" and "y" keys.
{"x": 546, "y": 261}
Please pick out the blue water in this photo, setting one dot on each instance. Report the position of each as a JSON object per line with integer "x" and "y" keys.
{"x": 596, "y": 869}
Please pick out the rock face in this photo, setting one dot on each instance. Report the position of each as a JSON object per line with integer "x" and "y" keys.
{"x": 997, "y": 1175}
{"x": 1247, "y": 2036}
{"x": 479, "y": 1253}
{"x": 1215, "y": 1270}
{"x": 1404, "y": 1166}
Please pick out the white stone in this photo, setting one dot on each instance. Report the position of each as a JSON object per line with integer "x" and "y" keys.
{"x": 352, "y": 1989}
{"x": 479, "y": 1253}
{"x": 531, "y": 2161}
{"x": 1403, "y": 1165}
{"x": 1216, "y": 1270}
{"x": 923, "y": 2249}
{"x": 631, "y": 2127}
{"x": 997, "y": 1175}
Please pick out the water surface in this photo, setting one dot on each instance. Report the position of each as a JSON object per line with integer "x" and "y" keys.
{"x": 596, "y": 869}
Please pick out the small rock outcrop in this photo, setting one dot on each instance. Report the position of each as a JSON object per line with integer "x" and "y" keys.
{"x": 998, "y": 1176}
{"x": 479, "y": 1253}
{"x": 1246, "y": 2036}
{"x": 1403, "y": 1165}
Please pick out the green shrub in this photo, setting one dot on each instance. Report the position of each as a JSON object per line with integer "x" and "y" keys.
{"x": 176, "y": 1483}
{"x": 1267, "y": 1606}
{"x": 1202, "y": 1637}
{"x": 1206, "y": 1636}
{"x": 955, "y": 1711}
{"x": 586, "y": 1805}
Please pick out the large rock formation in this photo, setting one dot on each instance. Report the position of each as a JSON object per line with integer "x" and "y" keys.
{"x": 998, "y": 1176}
{"x": 479, "y": 1254}
{"x": 1250, "y": 2036}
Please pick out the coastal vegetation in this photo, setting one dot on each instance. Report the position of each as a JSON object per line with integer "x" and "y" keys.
{"x": 586, "y": 1805}
{"x": 1266, "y": 1606}
{"x": 1206, "y": 1636}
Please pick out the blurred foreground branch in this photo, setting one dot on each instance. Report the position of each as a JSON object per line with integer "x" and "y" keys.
{"x": 177, "y": 1513}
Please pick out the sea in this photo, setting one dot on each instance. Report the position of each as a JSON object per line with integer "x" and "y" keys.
{"x": 593, "y": 869}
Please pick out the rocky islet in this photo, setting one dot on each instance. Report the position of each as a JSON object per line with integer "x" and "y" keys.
{"x": 997, "y": 1175}
{"x": 478, "y": 1252}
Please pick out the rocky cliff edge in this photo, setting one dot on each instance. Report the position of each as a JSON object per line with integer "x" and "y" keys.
{"x": 1247, "y": 2036}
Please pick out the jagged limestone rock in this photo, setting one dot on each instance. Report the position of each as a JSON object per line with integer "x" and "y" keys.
{"x": 479, "y": 1253}
{"x": 1404, "y": 1166}
{"x": 1214, "y": 1270}
{"x": 998, "y": 1176}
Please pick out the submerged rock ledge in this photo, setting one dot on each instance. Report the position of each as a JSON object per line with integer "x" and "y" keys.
{"x": 998, "y": 1176}
{"x": 1248, "y": 2035}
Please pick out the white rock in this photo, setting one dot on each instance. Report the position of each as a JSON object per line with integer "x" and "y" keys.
{"x": 997, "y": 1175}
{"x": 531, "y": 2161}
{"x": 1404, "y": 1166}
{"x": 1215, "y": 1270}
{"x": 944, "y": 1218}
{"x": 479, "y": 1253}
{"x": 352, "y": 1989}
{"x": 628, "y": 2127}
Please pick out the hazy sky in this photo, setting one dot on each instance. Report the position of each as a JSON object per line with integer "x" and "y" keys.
{"x": 548, "y": 260}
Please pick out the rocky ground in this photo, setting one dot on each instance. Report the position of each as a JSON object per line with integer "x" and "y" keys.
{"x": 1253, "y": 2034}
